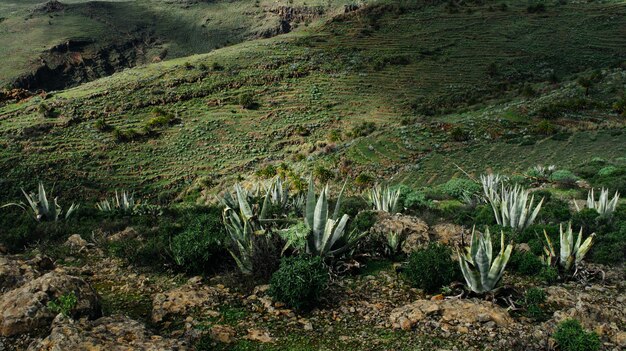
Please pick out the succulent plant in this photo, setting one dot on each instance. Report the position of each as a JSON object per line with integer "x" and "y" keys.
{"x": 491, "y": 184}
{"x": 123, "y": 203}
{"x": 384, "y": 199}
{"x": 394, "y": 243}
{"x": 571, "y": 252}
{"x": 40, "y": 208}
{"x": 604, "y": 206}
{"x": 241, "y": 225}
{"x": 513, "y": 207}
{"x": 481, "y": 270}
{"x": 325, "y": 231}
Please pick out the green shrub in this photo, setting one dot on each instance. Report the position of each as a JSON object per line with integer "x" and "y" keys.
{"x": 363, "y": 180}
{"x": 102, "y": 125}
{"x": 570, "y": 336}
{"x": 353, "y": 205}
{"x": 554, "y": 210}
{"x": 525, "y": 263}
{"x": 459, "y": 187}
{"x": 363, "y": 221}
{"x": 549, "y": 275}
{"x": 483, "y": 215}
{"x": 459, "y": 134}
{"x": 267, "y": 172}
{"x": 607, "y": 171}
{"x": 413, "y": 199}
{"x": 431, "y": 268}
{"x": 196, "y": 247}
{"x": 300, "y": 282}
{"x": 534, "y": 300}
{"x": 323, "y": 174}
{"x": 64, "y": 304}
{"x": 564, "y": 177}
{"x": 363, "y": 129}
{"x": 246, "y": 100}
{"x": 587, "y": 218}
{"x": 610, "y": 248}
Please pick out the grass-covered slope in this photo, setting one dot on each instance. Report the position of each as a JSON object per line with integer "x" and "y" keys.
{"x": 53, "y": 44}
{"x": 479, "y": 85}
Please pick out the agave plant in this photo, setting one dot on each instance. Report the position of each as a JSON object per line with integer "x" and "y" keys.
{"x": 491, "y": 183}
{"x": 326, "y": 231}
{"x": 513, "y": 207}
{"x": 241, "y": 224}
{"x": 481, "y": 271}
{"x": 123, "y": 203}
{"x": 394, "y": 243}
{"x": 40, "y": 208}
{"x": 604, "y": 206}
{"x": 384, "y": 199}
{"x": 571, "y": 252}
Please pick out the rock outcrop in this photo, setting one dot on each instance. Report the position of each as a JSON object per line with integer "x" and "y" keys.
{"x": 454, "y": 313}
{"x": 26, "y": 307}
{"x": 116, "y": 333}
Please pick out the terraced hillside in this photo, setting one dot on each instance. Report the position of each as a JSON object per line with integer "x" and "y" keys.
{"x": 389, "y": 89}
{"x": 55, "y": 44}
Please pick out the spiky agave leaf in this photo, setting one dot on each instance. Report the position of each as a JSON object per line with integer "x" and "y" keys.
{"x": 604, "y": 205}
{"x": 383, "y": 199}
{"x": 325, "y": 231}
{"x": 480, "y": 270}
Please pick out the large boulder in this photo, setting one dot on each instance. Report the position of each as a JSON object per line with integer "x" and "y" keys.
{"x": 116, "y": 333}
{"x": 453, "y": 312}
{"x": 413, "y": 229}
{"x": 25, "y": 308}
{"x": 450, "y": 234}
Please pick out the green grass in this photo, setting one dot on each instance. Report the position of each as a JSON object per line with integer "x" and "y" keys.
{"x": 329, "y": 76}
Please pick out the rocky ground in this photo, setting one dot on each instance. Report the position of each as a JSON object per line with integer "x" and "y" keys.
{"x": 121, "y": 307}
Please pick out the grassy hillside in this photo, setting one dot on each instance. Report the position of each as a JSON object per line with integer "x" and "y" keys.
{"x": 392, "y": 89}
{"x": 114, "y": 34}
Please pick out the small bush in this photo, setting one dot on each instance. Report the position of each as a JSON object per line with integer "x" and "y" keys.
{"x": 549, "y": 275}
{"x": 102, "y": 125}
{"x": 534, "y": 299}
{"x": 564, "y": 177}
{"x": 413, "y": 199}
{"x": 267, "y": 172}
{"x": 363, "y": 129}
{"x": 353, "y": 205}
{"x": 64, "y": 304}
{"x": 300, "y": 282}
{"x": 246, "y": 100}
{"x": 554, "y": 210}
{"x": 196, "y": 247}
{"x": 483, "y": 215}
{"x": 525, "y": 263}
{"x": 570, "y": 336}
{"x": 431, "y": 268}
{"x": 363, "y": 180}
{"x": 459, "y": 134}
{"x": 323, "y": 174}
{"x": 587, "y": 218}
{"x": 363, "y": 221}
{"x": 610, "y": 248}
{"x": 459, "y": 187}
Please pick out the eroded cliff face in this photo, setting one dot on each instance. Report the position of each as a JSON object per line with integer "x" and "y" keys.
{"x": 290, "y": 16}
{"x": 81, "y": 60}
